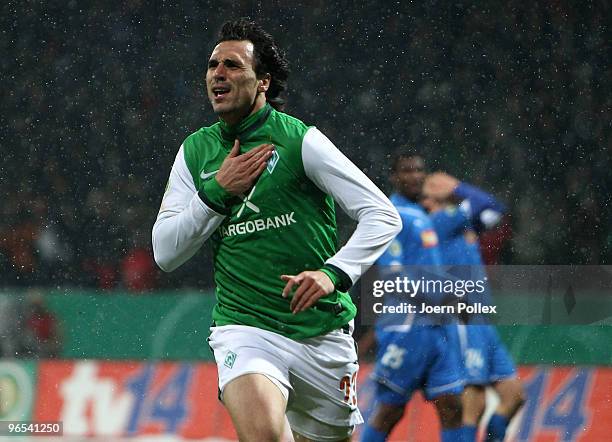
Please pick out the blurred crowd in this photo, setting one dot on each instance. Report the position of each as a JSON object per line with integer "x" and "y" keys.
{"x": 28, "y": 328}
{"x": 96, "y": 100}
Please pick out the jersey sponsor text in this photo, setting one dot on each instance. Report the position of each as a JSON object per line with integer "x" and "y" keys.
{"x": 272, "y": 222}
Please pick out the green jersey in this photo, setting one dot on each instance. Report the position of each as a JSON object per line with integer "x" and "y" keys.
{"x": 284, "y": 225}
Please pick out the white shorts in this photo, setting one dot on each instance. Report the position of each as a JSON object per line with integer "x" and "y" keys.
{"x": 317, "y": 376}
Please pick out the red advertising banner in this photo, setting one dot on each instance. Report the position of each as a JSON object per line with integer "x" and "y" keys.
{"x": 95, "y": 398}
{"x": 128, "y": 399}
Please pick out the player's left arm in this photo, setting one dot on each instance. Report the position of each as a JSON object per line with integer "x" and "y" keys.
{"x": 377, "y": 221}
{"x": 484, "y": 210}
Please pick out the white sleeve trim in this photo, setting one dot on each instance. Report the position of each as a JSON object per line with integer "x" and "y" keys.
{"x": 377, "y": 220}
{"x": 184, "y": 222}
{"x": 466, "y": 207}
{"x": 490, "y": 218}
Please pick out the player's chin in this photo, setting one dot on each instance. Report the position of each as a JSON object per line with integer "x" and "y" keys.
{"x": 220, "y": 108}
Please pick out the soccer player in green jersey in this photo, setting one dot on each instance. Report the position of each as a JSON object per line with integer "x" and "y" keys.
{"x": 259, "y": 186}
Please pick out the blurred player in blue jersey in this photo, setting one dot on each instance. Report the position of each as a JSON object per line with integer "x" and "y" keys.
{"x": 412, "y": 356}
{"x": 459, "y": 212}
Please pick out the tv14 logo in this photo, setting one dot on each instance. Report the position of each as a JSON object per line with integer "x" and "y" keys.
{"x": 564, "y": 412}
{"x": 107, "y": 405}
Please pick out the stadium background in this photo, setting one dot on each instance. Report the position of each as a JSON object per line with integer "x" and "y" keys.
{"x": 96, "y": 100}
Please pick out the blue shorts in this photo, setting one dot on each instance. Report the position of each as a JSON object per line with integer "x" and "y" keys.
{"x": 425, "y": 357}
{"x": 485, "y": 357}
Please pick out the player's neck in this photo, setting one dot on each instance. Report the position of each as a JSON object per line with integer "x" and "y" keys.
{"x": 246, "y": 126}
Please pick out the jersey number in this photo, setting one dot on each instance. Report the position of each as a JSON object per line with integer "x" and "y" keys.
{"x": 349, "y": 385}
{"x": 393, "y": 357}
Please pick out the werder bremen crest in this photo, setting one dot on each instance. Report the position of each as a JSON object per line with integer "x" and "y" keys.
{"x": 230, "y": 358}
{"x": 246, "y": 201}
{"x": 272, "y": 161}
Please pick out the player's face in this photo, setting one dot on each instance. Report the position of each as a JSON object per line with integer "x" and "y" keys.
{"x": 430, "y": 204}
{"x": 231, "y": 81}
{"x": 409, "y": 176}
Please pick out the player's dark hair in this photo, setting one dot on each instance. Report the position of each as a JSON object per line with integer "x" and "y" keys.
{"x": 403, "y": 153}
{"x": 269, "y": 58}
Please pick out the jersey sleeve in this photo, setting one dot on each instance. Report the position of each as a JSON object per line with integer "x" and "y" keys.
{"x": 483, "y": 209}
{"x": 184, "y": 222}
{"x": 395, "y": 254}
{"x": 377, "y": 220}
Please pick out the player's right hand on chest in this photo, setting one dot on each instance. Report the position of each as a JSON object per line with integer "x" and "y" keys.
{"x": 238, "y": 171}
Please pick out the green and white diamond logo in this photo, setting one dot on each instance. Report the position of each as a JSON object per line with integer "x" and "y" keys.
{"x": 230, "y": 358}
{"x": 272, "y": 161}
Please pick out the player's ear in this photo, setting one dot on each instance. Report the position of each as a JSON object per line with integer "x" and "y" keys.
{"x": 264, "y": 83}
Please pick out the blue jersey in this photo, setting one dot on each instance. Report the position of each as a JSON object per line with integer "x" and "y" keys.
{"x": 412, "y": 253}
{"x": 456, "y": 227}
{"x": 485, "y": 358}
{"x": 458, "y": 240}
{"x": 417, "y": 243}
{"x": 411, "y": 356}
{"x": 460, "y": 250}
